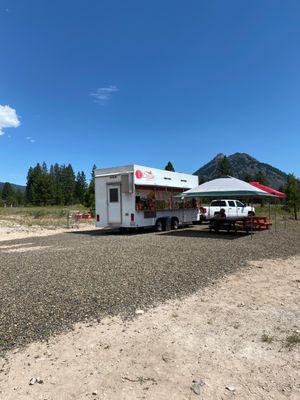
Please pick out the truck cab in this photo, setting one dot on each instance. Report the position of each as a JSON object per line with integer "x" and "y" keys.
{"x": 233, "y": 208}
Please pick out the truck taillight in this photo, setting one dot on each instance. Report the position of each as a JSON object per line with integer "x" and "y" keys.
{"x": 132, "y": 217}
{"x": 98, "y": 217}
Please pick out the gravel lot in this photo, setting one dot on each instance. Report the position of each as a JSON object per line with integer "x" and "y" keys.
{"x": 48, "y": 283}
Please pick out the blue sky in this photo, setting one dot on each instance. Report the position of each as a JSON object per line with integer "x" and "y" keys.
{"x": 116, "y": 82}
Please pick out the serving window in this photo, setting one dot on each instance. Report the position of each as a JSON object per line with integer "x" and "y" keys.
{"x": 156, "y": 199}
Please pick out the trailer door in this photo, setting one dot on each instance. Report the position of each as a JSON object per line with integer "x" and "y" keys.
{"x": 114, "y": 204}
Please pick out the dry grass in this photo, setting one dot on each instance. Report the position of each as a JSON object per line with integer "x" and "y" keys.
{"x": 52, "y": 216}
{"x": 267, "y": 338}
{"x": 293, "y": 340}
{"x": 272, "y": 211}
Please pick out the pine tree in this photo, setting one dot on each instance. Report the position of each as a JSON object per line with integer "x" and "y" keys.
{"x": 8, "y": 195}
{"x": 55, "y": 175}
{"x": 169, "y": 167}
{"x": 224, "y": 167}
{"x": 44, "y": 168}
{"x": 45, "y": 190}
{"x": 90, "y": 197}
{"x": 248, "y": 178}
{"x": 30, "y": 190}
{"x": 20, "y": 198}
{"x": 68, "y": 184}
{"x": 261, "y": 178}
{"x": 33, "y": 193}
{"x": 80, "y": 187}
{"x": 292, "y": 191}
{"x": 39, "y": 188}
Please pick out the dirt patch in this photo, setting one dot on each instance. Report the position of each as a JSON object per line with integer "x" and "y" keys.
{"x": 13, "y": 231}
{"x": 217, "y": 335}
{"x": 23, "y": 249}
{"x": 14, "y": 246}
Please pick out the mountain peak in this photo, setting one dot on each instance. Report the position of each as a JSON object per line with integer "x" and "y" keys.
{"x": 219, "y": 156}
{"x": 243, "y": 164}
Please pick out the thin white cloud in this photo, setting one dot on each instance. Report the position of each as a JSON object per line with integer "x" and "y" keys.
{"x": 104, "y": 94}
{"x": 8, "y": 118}
{"x": 30, "y": 139}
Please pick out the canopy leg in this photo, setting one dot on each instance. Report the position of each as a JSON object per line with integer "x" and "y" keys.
{"x": 275, "y": 217}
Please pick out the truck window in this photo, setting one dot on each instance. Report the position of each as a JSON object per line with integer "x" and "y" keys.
{"x": 218, "y": 203}
{"x": 113, "y": 195}
{"x": 231, "y": 203}
{"x": 239, "y": 204}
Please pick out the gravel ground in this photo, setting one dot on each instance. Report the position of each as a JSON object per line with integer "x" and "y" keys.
{"x": 48, "y": 283}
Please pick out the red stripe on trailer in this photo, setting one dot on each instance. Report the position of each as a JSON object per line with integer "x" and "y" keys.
{"x": 150, "y": 187}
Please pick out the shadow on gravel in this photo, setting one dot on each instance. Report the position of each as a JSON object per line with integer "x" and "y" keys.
{"x": 118, "y": 232}
{"x": 193, "y": 233}
{"x": 187, "y": 232}
{"x": 113, "y": 232}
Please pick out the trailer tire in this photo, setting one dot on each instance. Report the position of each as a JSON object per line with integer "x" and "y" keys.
{"x": 159, "y": 225}
{"x": 174, "y": 223}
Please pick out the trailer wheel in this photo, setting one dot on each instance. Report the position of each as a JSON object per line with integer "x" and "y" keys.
{"x": 159, "y": 225}
{"x": 174, "y": 223}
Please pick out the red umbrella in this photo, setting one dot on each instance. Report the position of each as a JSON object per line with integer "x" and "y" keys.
{"x": 268, "y": 189}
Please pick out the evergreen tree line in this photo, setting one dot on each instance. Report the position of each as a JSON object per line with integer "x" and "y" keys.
{"x": 57, "y": 185}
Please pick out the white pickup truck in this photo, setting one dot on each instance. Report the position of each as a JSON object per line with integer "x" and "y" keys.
{"x": 233, "y": 208}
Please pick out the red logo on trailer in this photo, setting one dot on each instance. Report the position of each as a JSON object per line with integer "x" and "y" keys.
{"x": 138, "y": 174}
{"x": 148, "y": 175}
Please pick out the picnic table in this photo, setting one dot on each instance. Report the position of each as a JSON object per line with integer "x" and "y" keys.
{"x": 234, "y": 224}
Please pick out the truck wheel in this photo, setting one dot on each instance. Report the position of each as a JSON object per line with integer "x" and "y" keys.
{"x": 174, "y": 223}
{"x": 251, "y": 214}
{"x": 159, "y": 226}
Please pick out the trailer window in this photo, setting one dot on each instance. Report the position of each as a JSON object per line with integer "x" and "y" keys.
{"x": 113, "y": 195}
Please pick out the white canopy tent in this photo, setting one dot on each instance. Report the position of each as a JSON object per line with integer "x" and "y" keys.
{"x": 226, "y": 187}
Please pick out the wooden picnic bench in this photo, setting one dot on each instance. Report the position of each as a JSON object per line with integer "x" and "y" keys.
{"x": 261, "y": 223}
{"x": 233, "y": 224}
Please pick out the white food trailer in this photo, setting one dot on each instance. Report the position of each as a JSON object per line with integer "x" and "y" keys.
{"x": 135, "y": 196}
